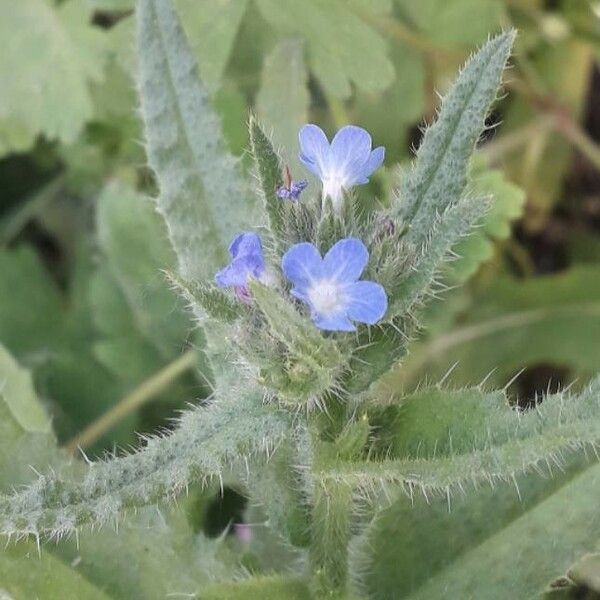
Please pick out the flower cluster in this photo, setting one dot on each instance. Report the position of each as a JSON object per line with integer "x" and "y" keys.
{"x": 329, "y": 285}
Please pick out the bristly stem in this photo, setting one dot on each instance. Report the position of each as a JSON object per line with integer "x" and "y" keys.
{"x": 145, "y": 392}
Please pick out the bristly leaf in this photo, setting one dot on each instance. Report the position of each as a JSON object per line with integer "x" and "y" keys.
{"x": 203, "y": 197}
{"x": 206, "y": 300}
{"x": 445, "y": 231}
{"x": 439, "y": 175}
{"x": 500, "y": 445}
{"x": 205, "y": 443}
{"x": 269, "y": 173}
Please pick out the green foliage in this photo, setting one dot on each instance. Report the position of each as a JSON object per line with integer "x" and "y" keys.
{"x": 282, "y": 100}
{"x": 342, "y": 48}
{"x": 50, "y": 577}
{"x": 42, "y": 100}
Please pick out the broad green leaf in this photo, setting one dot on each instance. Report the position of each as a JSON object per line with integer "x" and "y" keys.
{"x": 418, "y": 537}
{"x": 553, "y": 319}
{"x": 52, "y": 335}
{"x": 25, "y": 575}
{"x": 202, "y": 196}
{"x": 422, "y": 533}
{"x": 31, "y": 316}
{"x": 282, "y": 100}
{"x": 51, "y": 95}
{"x": 495, "y": 446}
{"x": 342, "y": 48}
{"x": 567, "y": 524}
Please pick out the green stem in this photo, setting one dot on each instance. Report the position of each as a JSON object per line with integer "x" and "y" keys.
{"x": 147, "y": 390}
{"x": 330, "y": 538}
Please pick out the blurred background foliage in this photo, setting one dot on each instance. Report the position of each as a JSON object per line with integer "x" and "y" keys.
{"x": 84, "y": 305}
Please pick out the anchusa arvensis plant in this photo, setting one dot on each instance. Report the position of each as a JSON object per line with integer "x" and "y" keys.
{"x": 319, "y": 300}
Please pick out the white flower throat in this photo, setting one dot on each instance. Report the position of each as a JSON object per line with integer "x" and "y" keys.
{"x": 326, "y": 296}
{"x": 333, "y": 184}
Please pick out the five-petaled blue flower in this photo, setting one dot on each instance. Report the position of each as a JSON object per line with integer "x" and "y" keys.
{"x": 330, "y": 285}
{"x": 346, "y": 162}
{"x": 247, "y": 262}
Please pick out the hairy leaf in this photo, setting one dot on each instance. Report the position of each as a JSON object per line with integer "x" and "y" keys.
{"x": 439, "y": 176}
{"x": 202, "y": 196}
{"x": 164, "y": 467}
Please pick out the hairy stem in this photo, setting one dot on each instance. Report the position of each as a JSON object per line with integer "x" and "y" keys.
{"x": 330, "y": 537}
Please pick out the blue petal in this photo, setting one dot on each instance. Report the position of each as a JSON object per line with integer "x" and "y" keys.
{"x": 314, "y": 149}
{"x": 336, "y": 322}
{"x": 233, "y": 275}
{"x": 346, "y": 260}
{"x": 375, "y": 161}
{"x": 367, "y": 302}
{"x": 350, "y": 150}
{"x": 245, "y": 243}
{"x": 248, "y": 261}
{"x": 301, "y": 264}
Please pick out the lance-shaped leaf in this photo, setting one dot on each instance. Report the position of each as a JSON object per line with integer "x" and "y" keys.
{"x": 446, "y": 230}
{"x": 552, "y": 535}
{"x": 268, "y": 168}
{"x": 500, "y": 443}
{"x": 203, "y": 197}
{"x": 204, "y": 444}
{"x": 418, "y": 537}
{"x": 439, "y": 175}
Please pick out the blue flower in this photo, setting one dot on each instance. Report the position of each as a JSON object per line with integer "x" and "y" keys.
{"x": 247, "y": 262}
{"x": 330, "y": 285}
{"x": 346, "y": 162}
